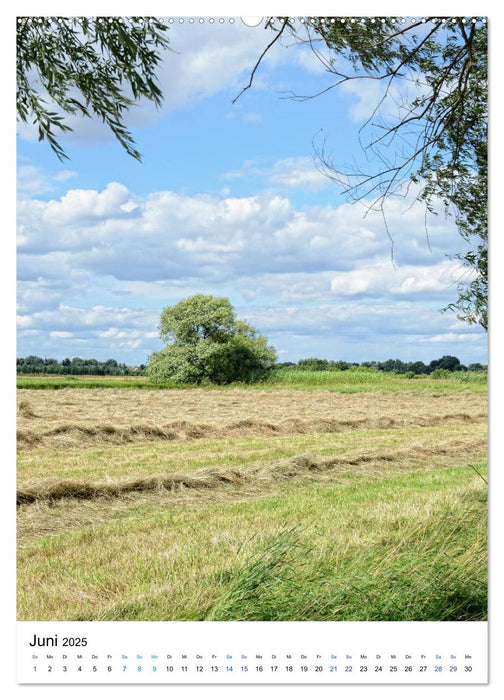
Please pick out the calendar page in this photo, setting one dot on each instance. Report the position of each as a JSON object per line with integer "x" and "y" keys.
{"x": 252, "y": 348}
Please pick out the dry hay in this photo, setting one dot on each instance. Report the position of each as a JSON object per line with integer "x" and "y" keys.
{"x": 254, "y": 476}
{"x": 82, "y": 418}
{"x": 71, "y": 417}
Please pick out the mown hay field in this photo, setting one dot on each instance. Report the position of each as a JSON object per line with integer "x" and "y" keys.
{"x": 251, "y": 504}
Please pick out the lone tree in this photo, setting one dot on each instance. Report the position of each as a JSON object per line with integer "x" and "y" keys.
{"x": 433, "y": 131}
{"x": 207, "y": 343}
{"x": 93, "y": 67}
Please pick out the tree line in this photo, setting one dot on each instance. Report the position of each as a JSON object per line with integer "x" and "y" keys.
{"x": 449, "y": 363}
{"x": 48, "y": 365}
{"x": 38, "y": 365}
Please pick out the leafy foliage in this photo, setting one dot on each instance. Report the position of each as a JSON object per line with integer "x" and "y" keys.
{"x": 75, "y": 366}
{"x": 206, "y": 342}
{"x": 86, "y": 66}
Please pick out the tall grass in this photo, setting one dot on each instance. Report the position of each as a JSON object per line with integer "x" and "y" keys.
{"x": 357, "y": 379}
{"x": 362, "y": 379}
{"x": 405, "y": 547}
{"x": 31, "y": 381}
{"x": 247, "y": 588}
{"x": 412, "y": 570}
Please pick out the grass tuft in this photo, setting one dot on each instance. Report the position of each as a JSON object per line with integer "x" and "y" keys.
{"x": 248, "y": 586}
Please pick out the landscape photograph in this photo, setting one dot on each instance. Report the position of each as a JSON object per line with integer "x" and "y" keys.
{"x": 252, "y": 304}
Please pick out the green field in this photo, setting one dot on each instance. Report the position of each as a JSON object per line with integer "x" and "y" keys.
{"x": 349, "y": 381}
{"x": 253, "y": 503}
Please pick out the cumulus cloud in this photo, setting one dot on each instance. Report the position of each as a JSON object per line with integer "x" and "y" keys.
{"x": 61, "y": 334}
{"x": 159, "y": 248}
{"x": 370, "y": 97}
{"x": 79, "y": 205}
{"x": 171, "y": 236}
{"x": 316, "y": 269}
{"x": 384, "y": 279}
{"x": 98, "y": 328}
{"x": 97, "y": 317}
{"x": 384, "y": 319}
{"x": 365, "y": 331}
{"x": 34, "y": 295}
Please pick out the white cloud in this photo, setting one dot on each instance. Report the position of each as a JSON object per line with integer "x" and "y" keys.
{"x": 318, "y": 272}
{"x": 23, "y": 321}
{"x": 98, "y": 327}
{"x": 366, "y": 95}
{"x": 358, "y": 332}
{"x": 298, "y": 172}
{"x": 168, "y": 237}
{"x": 295, "y": 172}
{"x": 203, "y": 60}
{"x": 252, "y": 117}
{"x": 65, "y": 175}
{"x": 97, "y": 316}
{"x": 381, "y": 99}
{"x": 454, "y": 337}
{"x": 86, "y": 204}
{"x": 32, "y": 180}
{"x": 61, "y": 334}
{"x": 310, "y": 62}
{"x": 385, "y": 279}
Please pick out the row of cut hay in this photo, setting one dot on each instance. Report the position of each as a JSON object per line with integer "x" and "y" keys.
{"x": 415, "y": 453}
{"x": 296, "y": 467}
{"x": 235, "y": 409}
{"x": 77, "y": 433}
{"x": 70, "y": 488}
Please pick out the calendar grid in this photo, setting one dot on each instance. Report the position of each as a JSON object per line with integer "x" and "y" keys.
{"x": 188, "y": 652}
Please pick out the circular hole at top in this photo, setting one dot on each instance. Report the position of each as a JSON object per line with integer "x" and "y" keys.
{"x": 251, "y": 21}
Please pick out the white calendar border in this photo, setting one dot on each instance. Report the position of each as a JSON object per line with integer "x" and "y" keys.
{"x": 7, "y": 648}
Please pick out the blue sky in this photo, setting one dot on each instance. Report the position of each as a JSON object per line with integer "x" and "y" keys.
{"x": 228, "y": 201}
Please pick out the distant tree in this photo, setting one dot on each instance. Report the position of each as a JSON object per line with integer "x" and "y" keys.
{"x": 396, "y": 366}
{"x": 90, "y": 66}
{"x": 417, "y": 367}
{"x": 33, "y": 360}
{"x": 206, "y": 342}
{"x": 340, "y": 365}
{"x": 314, "y": 364}
{"x": 448, "y": 362}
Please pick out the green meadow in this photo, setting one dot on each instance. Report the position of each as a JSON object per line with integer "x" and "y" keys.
{"x": 313, "y": 504}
